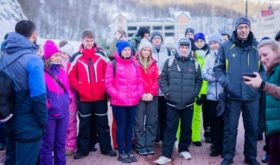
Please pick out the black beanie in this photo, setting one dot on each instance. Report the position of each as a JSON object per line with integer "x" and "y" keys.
{"x": 141, "y": 31}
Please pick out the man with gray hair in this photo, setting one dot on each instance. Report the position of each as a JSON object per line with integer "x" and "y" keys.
{"x": 236, "y": 57}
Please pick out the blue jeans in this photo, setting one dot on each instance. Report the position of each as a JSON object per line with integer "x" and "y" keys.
{"x": 125, "y": 121}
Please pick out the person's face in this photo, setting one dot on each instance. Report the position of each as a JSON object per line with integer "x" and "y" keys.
{"x": 199, "y": 43}
{"x": 225, "y": 38}
{"x": 214, "y": 45}
{"x": 87, "y": 42}
{"x": 184, "y": 50}
{"x": 33, "y": 37}
{"x": 268, "y": 56}
{"x": 56, "y": 58}
{"x": 190, "y": 35}
{"x": 156, "y": 40}
{"x": 243, "y": 31}
{"x": 126, "y": 52}
{"x": 146, "y": 35}
{"x": 64, "y": 56}
{"x": 146, "y": 52}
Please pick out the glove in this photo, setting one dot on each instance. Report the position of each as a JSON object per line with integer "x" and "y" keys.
{"x": 200, "y": 100}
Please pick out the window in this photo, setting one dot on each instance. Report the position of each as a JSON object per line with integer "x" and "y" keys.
{"x": 132, "y": 28}
{"x": 130, "y": 34}
{"x": 148, "y": 27}
{"x": 169, "y": 28}
{"x": 169, "y": 34}
{"x": 157, "y": 27}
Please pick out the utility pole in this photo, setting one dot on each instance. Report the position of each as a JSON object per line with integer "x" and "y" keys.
{"x": 246, "y": 8}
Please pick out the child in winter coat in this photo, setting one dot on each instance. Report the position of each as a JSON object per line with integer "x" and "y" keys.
{"x": 146, "y": 132}
{"x": 58, "y": 100}
{"x": 66, "y": 52}
{"x": 124, "y": 84}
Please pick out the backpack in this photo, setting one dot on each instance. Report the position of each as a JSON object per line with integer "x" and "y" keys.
{"x": 172, "y": 59}
{"x": 114, "y": 62}
{"x": 7, "y": 93}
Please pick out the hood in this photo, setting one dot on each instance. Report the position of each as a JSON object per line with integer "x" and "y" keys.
{"x": 184, "y": 39}
{"x": 16, "y": 42}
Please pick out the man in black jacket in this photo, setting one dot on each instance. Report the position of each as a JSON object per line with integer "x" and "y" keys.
{"x": 180, "y": 81}
{"x": 237, "y": 56}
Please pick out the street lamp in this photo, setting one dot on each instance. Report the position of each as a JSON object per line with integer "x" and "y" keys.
{"x": 246, "y": 8}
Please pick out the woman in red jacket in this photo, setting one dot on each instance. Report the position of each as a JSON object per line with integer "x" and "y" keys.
{"x": 147, "y": 108}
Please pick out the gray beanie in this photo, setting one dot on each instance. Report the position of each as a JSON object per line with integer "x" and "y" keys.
{"x": 215, "y": 37}
{"x": 242, "y": 20}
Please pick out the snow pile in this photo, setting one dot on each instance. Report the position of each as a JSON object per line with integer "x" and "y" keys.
{"x": 10, "y": 13}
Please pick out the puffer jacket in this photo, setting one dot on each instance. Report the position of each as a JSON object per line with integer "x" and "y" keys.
{"x": 125, "y": 84}
{"x": 214, "y": 87}
{"x": 150, "y": 77}
{"x": 180, "y": 86}
{"x": 87, "y": 75}
{"x": 234, "y": 59}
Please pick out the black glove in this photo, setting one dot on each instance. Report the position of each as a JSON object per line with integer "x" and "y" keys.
{"x": 200, "y": 100}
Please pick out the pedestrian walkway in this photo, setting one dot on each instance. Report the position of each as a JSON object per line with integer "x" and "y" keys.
{"x": 200, "y": 155}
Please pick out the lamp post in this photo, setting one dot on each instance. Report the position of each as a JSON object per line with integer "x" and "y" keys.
{"x": 246, "y": 8}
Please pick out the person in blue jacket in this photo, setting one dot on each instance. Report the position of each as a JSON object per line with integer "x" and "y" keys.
{"x": 25, "y": 129}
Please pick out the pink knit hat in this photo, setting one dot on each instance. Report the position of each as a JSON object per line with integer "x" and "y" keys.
{"x": 49, "y": 49}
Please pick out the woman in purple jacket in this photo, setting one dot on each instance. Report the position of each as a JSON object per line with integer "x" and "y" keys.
{"x": 58, "y": 100}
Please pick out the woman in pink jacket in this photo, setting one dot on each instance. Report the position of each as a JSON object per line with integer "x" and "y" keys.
{"x": 125, "y": 86}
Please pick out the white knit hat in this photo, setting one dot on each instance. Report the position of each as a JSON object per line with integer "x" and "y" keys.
{"x": 68, "y": 49}
{"x": 145, "y": 43}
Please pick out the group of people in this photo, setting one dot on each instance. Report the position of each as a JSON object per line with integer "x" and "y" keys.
{"x": 156, "y": 95}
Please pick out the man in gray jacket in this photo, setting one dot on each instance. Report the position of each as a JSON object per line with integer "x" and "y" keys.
{"x": 237, "y": 56}
{"x": 180, "y": 81}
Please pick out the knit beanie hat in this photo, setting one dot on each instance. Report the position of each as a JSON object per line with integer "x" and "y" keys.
{"x": 68, "y": 49}
{"x": 215, "y": 37}
{"x": 199, "y": 36}
{"x": 141, "y": 31}
{"x": 145, "y": 43}
{"x": 242, "y": 20}
{"x": 156, "y": 33}
{"x": 49, "y": 49}
{"x": 189, "y": 30}
{"x": 121, "y": 45}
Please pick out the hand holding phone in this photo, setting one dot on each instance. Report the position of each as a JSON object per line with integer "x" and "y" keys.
{"x": 252, "y": 75}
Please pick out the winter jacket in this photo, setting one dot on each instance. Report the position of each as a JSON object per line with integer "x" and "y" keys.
{"x": 30, "y": 115}
{"x": 272, "y": 112}
{"x": 124, "y": 85}
{"x": 180, "y": 82}
{"x": 160, "y": 57}
{"x": 135, "y": 42}
{"x": 201, "y": 55}
{"x": 58, "y": 100}
{"x": 150, "y": 78}
{"x": 234, "y": 59}
{"x": 214, "y": 87}
{"x": 87, "y": 75}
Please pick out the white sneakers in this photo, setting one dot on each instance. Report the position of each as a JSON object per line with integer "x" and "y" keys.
{"x": 162, "y": 160}
{"x": 185, "y": 155}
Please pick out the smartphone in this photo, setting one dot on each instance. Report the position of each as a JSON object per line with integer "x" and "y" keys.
{"x": 249, "y": 74}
